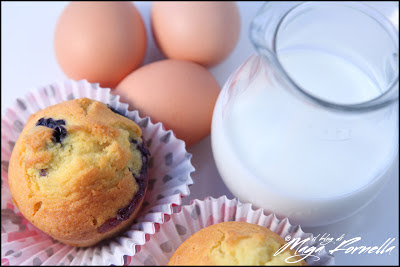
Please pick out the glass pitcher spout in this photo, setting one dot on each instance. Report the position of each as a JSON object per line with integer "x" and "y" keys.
{"x": 264, "y": 26}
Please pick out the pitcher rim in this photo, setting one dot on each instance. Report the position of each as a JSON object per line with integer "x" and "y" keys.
{"x": 386, "y": 98}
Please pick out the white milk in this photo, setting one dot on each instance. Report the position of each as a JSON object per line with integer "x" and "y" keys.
{"x": 301, "y": 160}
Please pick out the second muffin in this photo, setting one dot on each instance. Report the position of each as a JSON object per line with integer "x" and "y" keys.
{"x": 78, "y": 171}
{"x": 233, "y": 243}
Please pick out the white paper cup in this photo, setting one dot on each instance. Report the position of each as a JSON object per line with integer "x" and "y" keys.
{"x": 168, "y": 177}
{"x": 200, "y": 214}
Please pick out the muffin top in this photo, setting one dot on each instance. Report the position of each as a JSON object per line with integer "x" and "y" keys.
{"x": 232, "y": 243}
{"x": 76, "y": 166}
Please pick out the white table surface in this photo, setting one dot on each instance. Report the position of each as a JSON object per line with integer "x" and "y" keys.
{"x": 28, "y": 61}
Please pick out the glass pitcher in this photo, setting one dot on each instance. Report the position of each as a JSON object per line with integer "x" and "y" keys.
{"x": 307, "y": 127}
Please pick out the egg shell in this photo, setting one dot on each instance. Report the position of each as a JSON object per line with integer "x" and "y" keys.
{"x": 202, "y": 32}
{"x": 100, "y": 41}
{"x": 180, "y": 94}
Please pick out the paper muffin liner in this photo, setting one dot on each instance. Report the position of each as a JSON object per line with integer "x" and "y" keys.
{"x": 200, "y": 214}
{"x": 168, "y": 180}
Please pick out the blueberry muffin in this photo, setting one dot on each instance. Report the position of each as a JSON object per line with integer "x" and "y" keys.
{"x": 78, "y": 171}
{"x": 233, "y": 243}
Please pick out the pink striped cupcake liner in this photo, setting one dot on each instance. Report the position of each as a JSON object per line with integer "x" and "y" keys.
{"x": 169, "y": 177}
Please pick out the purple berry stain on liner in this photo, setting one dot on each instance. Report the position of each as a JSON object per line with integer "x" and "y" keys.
{"x": 124, "y": 213}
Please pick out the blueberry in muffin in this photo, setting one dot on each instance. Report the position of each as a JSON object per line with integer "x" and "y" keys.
{"x": 78, "y": 171}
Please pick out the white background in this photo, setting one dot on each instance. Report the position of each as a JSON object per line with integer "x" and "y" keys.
{"x": 28, "y": 61}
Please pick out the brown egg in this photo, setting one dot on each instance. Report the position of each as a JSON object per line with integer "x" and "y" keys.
{"x": 180, "y": 94}
{"x": 100, "y": 41}
{"x": 202, "y": 32}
